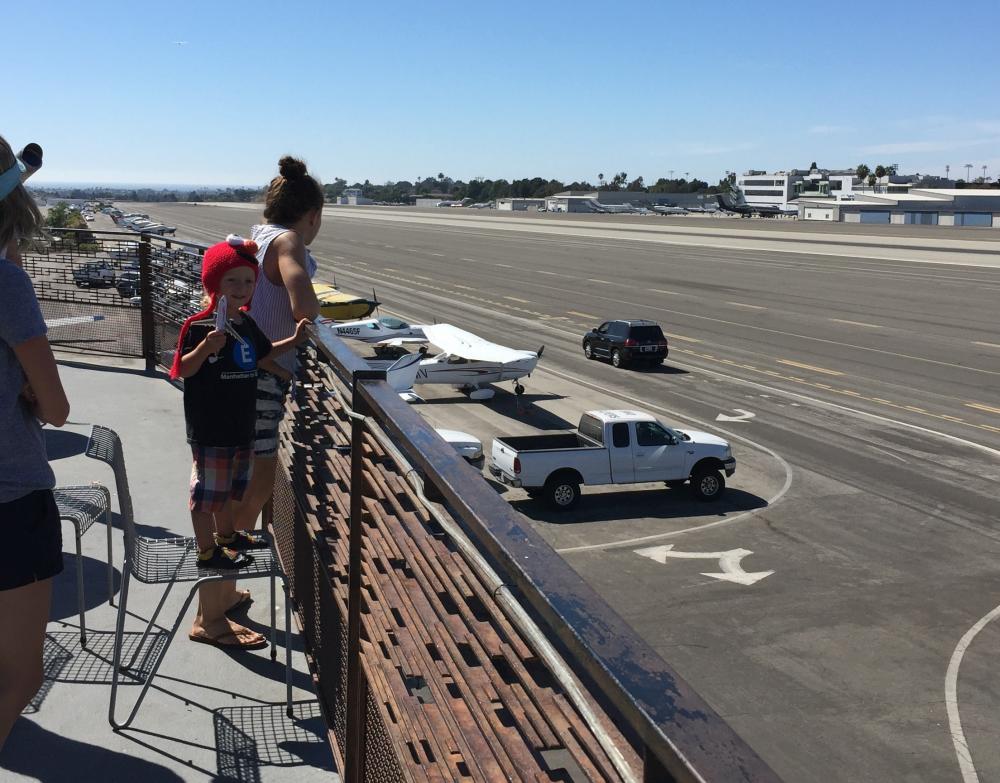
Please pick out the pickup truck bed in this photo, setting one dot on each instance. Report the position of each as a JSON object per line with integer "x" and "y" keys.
{"x": 549, "y": 442}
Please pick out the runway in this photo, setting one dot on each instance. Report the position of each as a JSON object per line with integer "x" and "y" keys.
{"x": 868, "y": 470}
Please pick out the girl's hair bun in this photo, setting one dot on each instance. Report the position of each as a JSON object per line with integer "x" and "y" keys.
{"x": 291, "y": 168}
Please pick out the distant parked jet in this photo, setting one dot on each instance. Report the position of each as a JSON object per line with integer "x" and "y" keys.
{"x": 736, "y": 203}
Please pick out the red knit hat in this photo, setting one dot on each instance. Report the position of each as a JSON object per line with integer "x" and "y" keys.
{"x": 218, "y": 259}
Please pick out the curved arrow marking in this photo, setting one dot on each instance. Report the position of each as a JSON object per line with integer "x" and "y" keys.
{"x": 729, "y": 562}
{"x": 744, "y": 416}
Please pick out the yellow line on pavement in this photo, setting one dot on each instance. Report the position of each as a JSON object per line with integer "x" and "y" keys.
{"x": 988, "y": 345}
{"x": 681, "y": 337}
{"x": 742, "y": 304}
{"x": 980, "y": 407}
{"x": 595, "y": 280}
{"x": 823, "y": 370}
{"x": 515, "y": 299}
{"x": 582, "y": 315}
{"x": 661, "y": 291}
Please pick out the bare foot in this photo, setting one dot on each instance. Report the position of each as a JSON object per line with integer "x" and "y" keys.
{"x": 227, "y": 634}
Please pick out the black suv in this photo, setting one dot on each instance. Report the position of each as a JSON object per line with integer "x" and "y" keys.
{"x": 625, "y": 342}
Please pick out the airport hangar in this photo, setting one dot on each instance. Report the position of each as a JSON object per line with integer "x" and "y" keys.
{"x": 920, "y": 206}
{"x": 580, "y": 200}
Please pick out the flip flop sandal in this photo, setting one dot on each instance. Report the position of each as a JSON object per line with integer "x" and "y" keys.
{"x": 228, "y": 646}
{"x": 243, "y": 540}
{"x": 225, "y": 559}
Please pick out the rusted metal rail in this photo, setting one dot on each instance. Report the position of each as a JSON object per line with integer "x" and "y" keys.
{"x": 419, "y": 671}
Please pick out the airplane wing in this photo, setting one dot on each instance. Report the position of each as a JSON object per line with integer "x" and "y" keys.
{"x": 399, "y": 342}
{"x": 54, "y": 323}
{"x": 459, "y": 342}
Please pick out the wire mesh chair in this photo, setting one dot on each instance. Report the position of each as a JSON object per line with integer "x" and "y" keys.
{"x": 83, "y": 505}
{"x": 166, "y": 561}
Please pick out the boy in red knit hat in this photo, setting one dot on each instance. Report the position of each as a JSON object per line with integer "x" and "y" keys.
{"x": 218, "y": 353}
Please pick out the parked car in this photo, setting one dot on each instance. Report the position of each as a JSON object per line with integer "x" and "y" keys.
{"x": 98, "y": 274}
{"x": 468, "y": 446}
{"x": 612, "y": 447}
{"x": 127, "y": 284}
{"x": 627, "y": 342}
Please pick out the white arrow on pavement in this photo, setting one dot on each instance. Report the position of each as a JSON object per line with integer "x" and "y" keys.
{"x": 744, "y": 416}
{"x": 729, "y": 562}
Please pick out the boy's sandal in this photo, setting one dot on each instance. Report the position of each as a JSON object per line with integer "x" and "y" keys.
{"x": 241, "y": 540}
{"x": 224, "y": 559}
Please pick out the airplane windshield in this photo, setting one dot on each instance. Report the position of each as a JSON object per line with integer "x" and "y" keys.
{"x": 393, "y": 323}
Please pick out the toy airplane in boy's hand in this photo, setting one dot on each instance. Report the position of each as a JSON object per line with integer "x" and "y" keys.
{"x": 222, "y": 325}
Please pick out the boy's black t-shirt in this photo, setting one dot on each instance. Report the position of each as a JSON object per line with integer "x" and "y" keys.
{"x": 220, "y": 400}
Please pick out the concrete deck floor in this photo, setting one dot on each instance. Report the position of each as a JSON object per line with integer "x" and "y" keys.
{"x": 210, "y": 715}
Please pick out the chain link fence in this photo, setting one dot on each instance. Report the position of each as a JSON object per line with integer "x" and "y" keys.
{"x": 115, "y": 293}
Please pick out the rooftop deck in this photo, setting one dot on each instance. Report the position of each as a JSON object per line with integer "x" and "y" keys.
{"x": 209, "y": 715}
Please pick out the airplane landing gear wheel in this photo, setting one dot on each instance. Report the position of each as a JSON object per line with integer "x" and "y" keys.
{"x": 518, "y": 389}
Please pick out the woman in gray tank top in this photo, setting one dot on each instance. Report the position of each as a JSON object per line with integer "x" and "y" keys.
{"x": 284, "y": 295}
{"x": 30, "y": 393}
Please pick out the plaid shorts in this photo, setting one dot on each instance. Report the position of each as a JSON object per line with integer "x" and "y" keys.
{"x": 271, "y": 393}
{"x": 219, "y": 474}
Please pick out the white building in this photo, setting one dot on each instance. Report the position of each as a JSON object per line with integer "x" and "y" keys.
{"x": 763, "y": 189}
{"x": 919, "y": 206}
{"x": 353, "y": 196}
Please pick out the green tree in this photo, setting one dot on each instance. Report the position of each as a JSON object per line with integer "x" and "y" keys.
{"x": 636, "y": 185}
{"x": 881, "y": 171}
{"x": 862, "y": 171}
{"x": 57, "y": 216}
{"x": 872, "y": 179}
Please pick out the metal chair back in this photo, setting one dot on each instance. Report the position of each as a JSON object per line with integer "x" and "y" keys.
{"x": 106, "y": 446}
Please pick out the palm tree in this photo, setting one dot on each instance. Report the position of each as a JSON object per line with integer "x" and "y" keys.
{"x": 862, "y": 171}
{"x": 600, "y": 181}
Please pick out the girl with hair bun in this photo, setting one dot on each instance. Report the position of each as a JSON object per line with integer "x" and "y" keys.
{"x": 30, "y": 394}
{"x": 293, "y": 214}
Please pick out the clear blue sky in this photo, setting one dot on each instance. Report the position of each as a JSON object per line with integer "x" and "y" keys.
{"x": 393, "y": 90}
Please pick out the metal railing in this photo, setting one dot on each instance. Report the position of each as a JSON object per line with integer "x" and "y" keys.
{"x": 115, "y": 292}
{"x": 681, "y": 738}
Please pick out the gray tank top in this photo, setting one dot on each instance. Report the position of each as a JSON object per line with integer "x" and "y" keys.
{"x": 271, "y": 308}
{"x": 24, "y": 465}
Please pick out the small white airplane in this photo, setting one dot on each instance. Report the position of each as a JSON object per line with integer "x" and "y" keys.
{"x": 662, "y": 209}
{"x": 384, "y": 332}
{"x": 614, "y": 209}
{"x": 469, "y": 363}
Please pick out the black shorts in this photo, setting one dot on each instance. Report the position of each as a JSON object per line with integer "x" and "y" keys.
{"x": 32, "y": 548}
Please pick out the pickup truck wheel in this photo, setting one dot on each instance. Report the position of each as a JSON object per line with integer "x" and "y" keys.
{"x": 588, "y": 351}
{"x": 708, "y": 484}
{"x": 616, "y": 358}
{"x": 562, "y": 494}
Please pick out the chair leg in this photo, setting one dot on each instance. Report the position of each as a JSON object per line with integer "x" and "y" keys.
{"x": 156, "y": 663}
{"x": 288, "y": 651}
{"x": 274, "y": 632}
{"x": 119, "y": 640}
{"x": 111, "y": 562}
{"x": 149, "y": 625}
{"x": 80, "y": 598}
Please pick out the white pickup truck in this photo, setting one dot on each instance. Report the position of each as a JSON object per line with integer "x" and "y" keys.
{"x": 612, "y": 447}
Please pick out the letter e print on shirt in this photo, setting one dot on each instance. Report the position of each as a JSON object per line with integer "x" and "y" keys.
{"x": 244, "y": 355}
